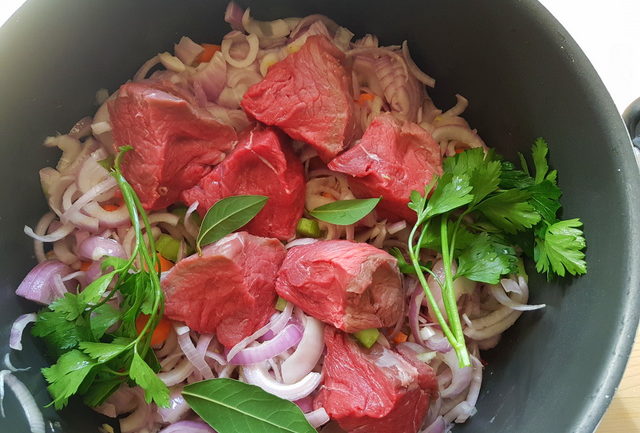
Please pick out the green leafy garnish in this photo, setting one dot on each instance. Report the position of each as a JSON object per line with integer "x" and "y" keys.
{"x": 559, "y": 249}
{"x": 93, "y": 358}
{"x": 230, "y": 406}
{"x": 228, "y": 215}
{"x": 479, "y": 213}
{"x": 345, "y": 212}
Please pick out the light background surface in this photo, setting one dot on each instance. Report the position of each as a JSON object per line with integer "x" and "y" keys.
{"x": 609, "y": 34}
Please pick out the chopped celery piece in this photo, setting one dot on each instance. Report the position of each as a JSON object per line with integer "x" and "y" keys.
{"x": 308, "y": 228}
{"x": 281, "y": 304}
{"x": 367, "y": 337}
{"x": 168, "y": 247}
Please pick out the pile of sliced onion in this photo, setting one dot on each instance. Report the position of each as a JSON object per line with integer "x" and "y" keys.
{"x": 193, "y": 355}
{"x": 97, "y": 247}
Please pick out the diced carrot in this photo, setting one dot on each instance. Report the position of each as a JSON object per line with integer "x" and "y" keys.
{"x": 459, "y": 150}
{"x": 110, "y": 207}
{"x": 365, "y": 97}
{"x": 161, "y": 332}
{"x": 400, "y": 337}
{"x": 207, "y": 54}
{"x": 164, "y": 264}
{"x": 84, "y": 266}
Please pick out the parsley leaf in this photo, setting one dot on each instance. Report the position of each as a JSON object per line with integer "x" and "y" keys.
{"x": 145, "y": 377}
{"x": 453, "y": 191}
{"x": 432, "y": 240}
{"x": 510, "y": 211}
{"x": 539, "y": 152}
{"x": 560, "y": 249}
{"x": 102, "y": 352}
{"x": 545, "y": 198}
{"x": 66, "y": 376}
{"x": 103, "y": 318}
{"x": 486, "y": 260}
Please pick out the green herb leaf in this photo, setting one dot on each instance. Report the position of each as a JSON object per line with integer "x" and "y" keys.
{"x": 230, "y": 406}
{"x": 486, "y": 260}
{"x": 403, "y": 266}
{"x": 432, "y": 240}
{"x": 485, "y": 180}
{"x": 103, "y": 318}
{"x": 101, "y": 389}
{"x": 465, "y": 162}
{"x": 539, "y": 152}
{"x": 146, "y": 378}
{"x": 102, "y": 352}
{"x": 453, "y": 191}
{"x": 560, "y": 250}
{"x": 545, "y": 198}
{"x": 345, "y": 212}
{"x": 66, "y": 376}
{"x": 511, "y": 177}
{"x": 510, "y": 211}
{"x": 59, "y": 333}
{"x": 228, "y": 215}
{"x": 95, "y": 291}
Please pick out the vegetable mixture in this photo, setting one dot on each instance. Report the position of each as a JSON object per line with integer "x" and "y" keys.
{"x": 282, "y": 233}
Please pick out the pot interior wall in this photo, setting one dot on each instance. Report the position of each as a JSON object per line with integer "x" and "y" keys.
{"x": 525, "y": 77}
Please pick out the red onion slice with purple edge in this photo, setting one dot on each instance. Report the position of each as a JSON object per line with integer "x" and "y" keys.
{"x": 188, "y": 427}
{"x": 97, "y": 247}
{"x": 39, "y": 285}
{"x": 15, "y": 338}
{"x": 284, "y": 340}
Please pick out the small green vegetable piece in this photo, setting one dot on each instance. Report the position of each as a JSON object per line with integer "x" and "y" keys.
{"x": 345, "y": 212}
{"x": 281, "y": 304}
{"x": 168, "y": 247}
{"x": 230, "y": 406}
{"x": 367, "y": 337}
{"x": 228, "y": 215}
{"x": 107, "y": 163}
{"x": 308, "y": 228}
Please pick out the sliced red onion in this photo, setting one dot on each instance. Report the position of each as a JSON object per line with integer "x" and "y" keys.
{"x": 342, "y": 38}
{"x": 212, "y": 76}
{"x": 106, "y": 409}
{"x": 40, "y": 230}
{"x": 460, "y": 413}
{"x": 178, "y": 374}
{"x": 394, "y": 228}
{"x": 276, "y": 324}
{"x": 284, "y": 340}
{"x": 257, "y": 374}
{"x": 192, "y": 354}
{"x": 318, "y": 417}
{"x": 414, "y": 313}
{"x": 26, "y": 400}
{"x": 56, "y": 235}
{"x": 188, "y": 427}
{"x": 164, "y": 217}
{"x": 39, "y": 285}
{"x": 489, "y": 343}
{"x": 111, "y": 219}
{"x": 93, "y": 272}
{"x": 264, "y": 29}
{"x": 178, "y": 407}
{"x": 217, "y": 357}
{"x": 461, "y": 104}
{"x": 187, "y": 50}
{"x": 306, "y": 22}
{"x": 460, "y": 379}
{"x": 91, "y": 173}
{"x": 10, "y": 366}
{"x": 90, "y": 195}
{"x": 300, "y": 242}
{"x": 239, "y": 38}
{"x": 15, "y": 338}
{"x": 233, "y": 15}
{"x": 97, "y": 247}
{"x": 507, "y": 318}
{"x": 413, "y": 68}
{"x": 81, "y": 129}
{"x": 171, "y": 63}
{"x": 458, "y": 133}
{"x": 305, "y": 404}
{"x": 192, "y": 228}
{"x": 504, "y": 299}
{"x": 307, "y": 354}
{"x": 438, "y": 426}
{"x": 138, "y": 419}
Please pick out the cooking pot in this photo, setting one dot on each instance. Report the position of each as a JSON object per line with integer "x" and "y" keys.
{"x": 557, "y": 369}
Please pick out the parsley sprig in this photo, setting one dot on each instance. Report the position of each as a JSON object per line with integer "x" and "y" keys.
{"x": 479, "y": 213}
{"x": 93, "y": 358}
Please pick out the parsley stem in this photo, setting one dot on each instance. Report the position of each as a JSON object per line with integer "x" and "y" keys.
{"x": 449, "y": 298}
{"x": 413, "y": 254}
